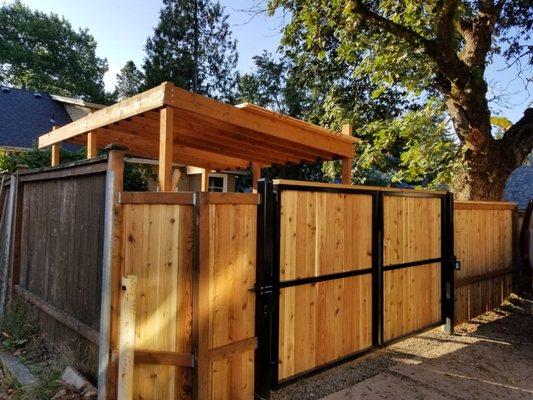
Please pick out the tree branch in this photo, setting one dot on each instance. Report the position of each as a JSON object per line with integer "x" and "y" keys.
{"x": 517, "y": 142}
{"x": 392, "y": 27}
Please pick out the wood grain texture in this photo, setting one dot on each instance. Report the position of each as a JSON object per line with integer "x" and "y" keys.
{"x": 157, "y": 248}
{"x": 323, "y": 322}
{"x": 411, "y": 229}
{"x": 323, "y": 233}
{"x": 483, "y": 244}
{"x": 232, "y": 253}
{"x": 62, "y": 235}
{"x": 411, "y": 299}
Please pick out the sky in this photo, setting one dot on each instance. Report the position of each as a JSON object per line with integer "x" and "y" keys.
{"x": 121, "y": 28}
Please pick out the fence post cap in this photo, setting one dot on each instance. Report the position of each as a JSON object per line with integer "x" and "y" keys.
{"x": 116, "y": 147}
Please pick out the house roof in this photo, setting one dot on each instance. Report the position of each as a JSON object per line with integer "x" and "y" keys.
{"x": 27, "y": 114}
{"x": 519, "y": 187}
{"x": 205, "y": 133}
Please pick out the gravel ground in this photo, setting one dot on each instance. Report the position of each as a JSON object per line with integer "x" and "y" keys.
{"x": 491, "y": 345}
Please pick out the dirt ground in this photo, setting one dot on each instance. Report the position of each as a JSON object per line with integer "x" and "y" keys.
{"x": 491, "y": 357}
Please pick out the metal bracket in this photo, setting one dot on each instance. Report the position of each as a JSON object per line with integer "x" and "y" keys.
{"x": 263, "y": 290}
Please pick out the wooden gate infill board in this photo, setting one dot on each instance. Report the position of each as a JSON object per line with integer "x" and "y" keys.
{"x": 270, "y": 287}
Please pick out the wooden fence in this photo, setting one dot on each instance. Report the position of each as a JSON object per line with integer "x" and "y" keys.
{"x": 55, "y": 250}
{"x": 358, "y": 268}
{"x": 485, "y": 244}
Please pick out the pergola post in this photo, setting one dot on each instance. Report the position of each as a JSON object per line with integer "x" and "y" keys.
{"x": 166, "y": 133}
{"x": 92, "y": 149}
{"x": 256, "y": 175}
{"x": 204, "y": 185}
{"x": 346, "y": 175}
{"x": 54, "y": 152}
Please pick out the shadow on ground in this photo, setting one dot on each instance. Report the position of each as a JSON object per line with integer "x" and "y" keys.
{"x": 490, "y": 357}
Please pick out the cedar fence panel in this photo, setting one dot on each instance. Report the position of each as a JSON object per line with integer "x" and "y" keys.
{"x": 194, "y": 256}
{"x": 412, "y": 295}
{"x": 485, "y": 245}
{"x": 158, "y": 249}
{"x": 323, "y": 233}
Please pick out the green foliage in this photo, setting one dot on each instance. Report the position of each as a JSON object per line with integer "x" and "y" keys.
{"x": 400, "y": 137}
{"x": 499, "y": 125}
{"x": 414, "y": 148}
{"x": 36, "y": 158}
{"x": 19, "y": 324}
{"x": 193, "y": 48}
{"x": 129, "y": 81}
{"x": 43, "y": 52}
{"x": 136, "y": 177}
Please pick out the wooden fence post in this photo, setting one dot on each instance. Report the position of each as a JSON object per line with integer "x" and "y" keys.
{"x": 201, "y": 388}
{"x": 127, "y": 337}
{"x": 111, "y": 274}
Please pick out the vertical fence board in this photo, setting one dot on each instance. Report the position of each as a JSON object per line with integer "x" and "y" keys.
{"x": 232, "y": 253}
{"x": 484, "y": 246}
{"x": 157, "y": 248}
{"x": 323, "y": 233}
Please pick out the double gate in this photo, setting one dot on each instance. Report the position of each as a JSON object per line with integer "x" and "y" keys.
{"x": 343, "y": 270}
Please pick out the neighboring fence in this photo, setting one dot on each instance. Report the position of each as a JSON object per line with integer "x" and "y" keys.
{"x": 56, "y": 246}
{"x": 485, "y": 244}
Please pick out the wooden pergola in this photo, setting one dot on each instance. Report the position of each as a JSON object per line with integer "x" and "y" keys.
{"x": 173, "y": 125}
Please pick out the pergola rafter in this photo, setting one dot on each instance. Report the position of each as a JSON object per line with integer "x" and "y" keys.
{"x": 174, "y": 125}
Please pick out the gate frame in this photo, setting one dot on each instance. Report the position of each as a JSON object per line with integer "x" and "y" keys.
{"x": 268, "y": 283}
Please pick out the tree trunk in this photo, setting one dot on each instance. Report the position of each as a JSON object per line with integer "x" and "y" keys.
{"x": 487, "y": 164}
{"x": 481, "y": 175}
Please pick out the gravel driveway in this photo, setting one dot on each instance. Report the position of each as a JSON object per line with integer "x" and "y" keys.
{"x": 490, "y": 357}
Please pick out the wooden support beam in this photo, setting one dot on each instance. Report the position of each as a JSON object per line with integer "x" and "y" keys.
{"x": 60, "y": 316}
{"x": 166, "y": 133}
{"x": 111, "y": 275}
{"x": 55, "y": 154}
{"x": 153, "y": 357}
{"x": 55, "y": 151}
{"x": 92, "y": 149}
{"x": 126, "y": 346}
{"x": 204, "y": 184}
{"x": 176, "y": 177}
{"x": 346, "y": 177}
{"x": 201, "y": 382}
{"x": 256, "y": 175}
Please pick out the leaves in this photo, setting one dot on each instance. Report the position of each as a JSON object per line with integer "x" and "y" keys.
{"x": 43, "y": 52}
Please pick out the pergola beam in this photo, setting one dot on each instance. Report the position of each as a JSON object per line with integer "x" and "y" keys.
{"x": 202, "y": 132}
{"x": 149, "y": 100}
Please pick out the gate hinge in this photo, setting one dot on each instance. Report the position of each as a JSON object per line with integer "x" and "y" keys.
{"x": 263, "y": 290}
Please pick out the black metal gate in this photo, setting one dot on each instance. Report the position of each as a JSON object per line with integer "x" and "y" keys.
{"x": 268, "y": 283}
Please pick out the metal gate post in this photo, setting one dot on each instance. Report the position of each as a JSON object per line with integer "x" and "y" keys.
{"x": 448, "y": 264}
{"x": 377, "y": 269}
{"x": 265, "y": 325}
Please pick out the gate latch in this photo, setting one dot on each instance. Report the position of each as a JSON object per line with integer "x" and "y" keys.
{"x": 456, "y": 264}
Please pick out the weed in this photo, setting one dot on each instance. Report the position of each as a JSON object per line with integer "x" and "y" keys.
{"x": 19, "y": 324}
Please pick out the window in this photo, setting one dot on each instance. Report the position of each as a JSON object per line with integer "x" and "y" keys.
{"x": 218, "y": 183}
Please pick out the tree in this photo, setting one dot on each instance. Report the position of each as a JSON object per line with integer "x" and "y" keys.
{"x": 193, "y": 48}
{"x": 435, "y": 47}
{"x": 129, "y": 81}
{"x": 402, "y": 142}
{"x": 43, "y": 52}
